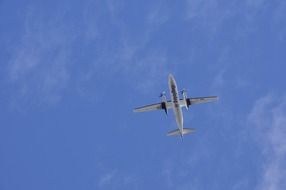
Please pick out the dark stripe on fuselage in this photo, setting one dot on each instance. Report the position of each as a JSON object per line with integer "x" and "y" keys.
{"x": 174, "y": 93}
{"x": 176, "y": 103}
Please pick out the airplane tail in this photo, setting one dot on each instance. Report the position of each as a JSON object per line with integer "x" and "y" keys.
{"x": 178, "y": 132}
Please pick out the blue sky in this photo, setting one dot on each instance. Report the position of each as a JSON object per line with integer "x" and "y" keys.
{"x": 72, "y": 71}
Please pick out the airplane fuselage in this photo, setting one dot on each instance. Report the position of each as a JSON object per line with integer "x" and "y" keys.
{"x": 176, "y": 103}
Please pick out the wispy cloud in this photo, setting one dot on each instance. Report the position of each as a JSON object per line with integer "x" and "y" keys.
{"x": 209, "y": 15}
{"x": 214, "y": 15}
{"x": 280, "y": 20}
{"x": 38, "y": 70}
{"x": 106, "y": 179}
{"x": 125, "y": 53}
{"x": 268, "y": 116}
{"x": 158, "y": 14}
{"x": 115, "y": 179}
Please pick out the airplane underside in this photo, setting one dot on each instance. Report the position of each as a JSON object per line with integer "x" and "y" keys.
{"x": 176, "y": 103}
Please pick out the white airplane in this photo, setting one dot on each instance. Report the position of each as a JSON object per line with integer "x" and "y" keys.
{"x": 176, "y": 104}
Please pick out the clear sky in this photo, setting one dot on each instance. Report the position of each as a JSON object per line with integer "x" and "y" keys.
{"x": 72, "y": 71}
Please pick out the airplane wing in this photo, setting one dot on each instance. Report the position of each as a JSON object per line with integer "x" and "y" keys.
{"x": 199, "y": 100}
{"x": 152, "y": 107}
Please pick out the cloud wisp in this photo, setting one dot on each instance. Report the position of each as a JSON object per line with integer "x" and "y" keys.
{"x": 38, "y": 70}
{"x": 126, "y": 52}
{"x": 268, "y": 116}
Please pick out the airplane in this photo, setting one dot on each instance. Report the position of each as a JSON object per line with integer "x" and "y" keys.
{"x": 176, "y": 103}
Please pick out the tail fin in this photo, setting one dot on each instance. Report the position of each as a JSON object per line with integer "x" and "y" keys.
{"x": 178, "y": 132}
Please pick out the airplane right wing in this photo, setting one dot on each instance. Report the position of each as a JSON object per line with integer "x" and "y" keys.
{"x": 199, "y": 100}
{"x": 152, "y": 107}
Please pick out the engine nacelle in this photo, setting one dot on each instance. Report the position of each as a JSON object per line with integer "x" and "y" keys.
{"x": 186, "y": 100}
{"x": 164, "y": 107}
{"x": 164, "y": 102}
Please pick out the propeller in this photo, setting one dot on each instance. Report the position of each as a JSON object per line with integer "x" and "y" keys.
{"x": 162, "y": 94}
{"x": 164, "y": 102}
{"x": 183, "y": 91}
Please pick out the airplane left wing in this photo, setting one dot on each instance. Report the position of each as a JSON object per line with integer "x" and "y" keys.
{"x": 158, "y": 106}
{"x": 197, "y": 100}
{"x": 203, "y": 99}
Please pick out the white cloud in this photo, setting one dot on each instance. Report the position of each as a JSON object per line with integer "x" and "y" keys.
{"x": 38, "y": 70}
{"x": 280, "y": 21}
{"x": 124, "y": 53}
{"x": 208, "y": 14}
{"x": 268, "y": 116}
{"x": 115, "y": 179}
{"x": 158, "y": 14}
{"x": 212, "y": 15}
{"x": 106, "y": 179}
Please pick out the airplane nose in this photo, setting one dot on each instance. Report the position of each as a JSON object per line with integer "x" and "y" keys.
{"x": 171, "y": 79}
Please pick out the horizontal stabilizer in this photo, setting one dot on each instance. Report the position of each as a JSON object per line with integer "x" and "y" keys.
{"x": 178, "y": 132}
